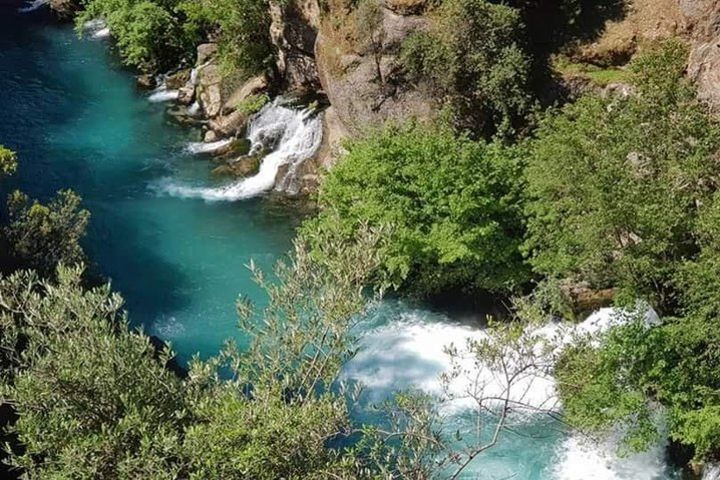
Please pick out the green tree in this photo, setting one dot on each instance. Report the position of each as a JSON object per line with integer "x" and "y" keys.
{"x": 244, "y": 31}
{"x": 621, "y": 378}
{"x": 473, "y": 56}
{"x": 615, "y": 184}
{"x": 8, "y": 161}
{"x": 150, "y": 35}
{"x": 93, "y": 400}
{"x": 455, "y": 207}
{"x": 43, "y": 236}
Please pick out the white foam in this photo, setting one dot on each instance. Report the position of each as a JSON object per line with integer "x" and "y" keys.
{"x": 583, "y": 460}
{"x": 194, "y": 109}
{"x": 33, "y": 5}
{"x": 291, "y": 135}
{"x": 208, "y": 147}
{"x": 711, "y": 472}
{"x": 408, "y": 352}
{"x": 162, "y": 93}
{"x": 97, "y": 28}
{"x": 102, "y": 33}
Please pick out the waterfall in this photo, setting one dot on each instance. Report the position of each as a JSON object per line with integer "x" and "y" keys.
{"x": 33, "y": 5}
{"x": 194, "y": 109}
{"x": 97, "y": 28}
{"x": 161, "y": 93}
{"x": 405, "y": 349}
{"x": 712, "y": 472}
{"x": 292, "y": 136}
{"x": 208, "y": 147}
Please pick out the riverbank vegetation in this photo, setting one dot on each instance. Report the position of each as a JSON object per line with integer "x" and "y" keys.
{"x": 612, "y": 192}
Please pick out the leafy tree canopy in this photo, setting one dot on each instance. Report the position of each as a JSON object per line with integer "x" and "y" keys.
{"x": 454, "y": 207}
{"x": 616, "y": 184}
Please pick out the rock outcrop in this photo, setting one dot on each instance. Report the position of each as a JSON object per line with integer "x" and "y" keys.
{"x": 359, "y": 67}
{"x": 703, "y": 18}
{"x": 65, "y": 9}
{"x": 294, "y": 30}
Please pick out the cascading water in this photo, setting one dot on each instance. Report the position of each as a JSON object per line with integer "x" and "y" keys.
{"x": 194, "y": 109}
{"x": 402, "y": 348}
{"x": 292, "y": 136}
{"x": 33, "y": 5}
{"x": 208, "y": 147}
{"x": 162, "y": 93}
{"x": 97, "y": 29}
{"x": 712, "y": 472}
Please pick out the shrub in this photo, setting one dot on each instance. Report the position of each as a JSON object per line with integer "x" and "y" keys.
{"x": 43, "y": 236}
{"x": 472, "y": 55}
{"x": 615, "y": 183}
{"x": 453, "y": 207}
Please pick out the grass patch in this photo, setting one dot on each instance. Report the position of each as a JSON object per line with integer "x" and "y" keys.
{"x": 599, "y": 75}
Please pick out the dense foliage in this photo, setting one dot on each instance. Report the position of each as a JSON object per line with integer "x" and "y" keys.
{"x": 454, "y": 206}
{"x": 623, "y": 195}
{"x": 95, "y": 399}
{"x": 616, "y": 184}
{"x": 43, "y": 236}
{"x": 150, "y": 35}
{"x": 244, "y": 30}
{"x": 158, "y": 35}
{"x": 473, "y": 56}
{"x": 8, "y": 161}
{"x": 637, "y": 368}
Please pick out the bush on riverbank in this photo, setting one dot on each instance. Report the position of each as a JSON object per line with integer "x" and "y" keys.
{"x": 454, "y": 206}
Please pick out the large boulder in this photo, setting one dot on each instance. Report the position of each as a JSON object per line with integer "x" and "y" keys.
{"x": 704, "y": 70}
{"x": 209, "y": 89}
{"x": 703, "y": 19}
{"x": 251, "y": 87}
{"x": 65, "y": 9}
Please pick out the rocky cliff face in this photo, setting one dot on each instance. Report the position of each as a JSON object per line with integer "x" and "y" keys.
{"x": 703, "y": 19}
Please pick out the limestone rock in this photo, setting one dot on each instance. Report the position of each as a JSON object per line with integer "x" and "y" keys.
{"x": 253, "y": 86}
{"x": 177, "y": 80}
{"x": 65, "y": 9}
{"x": 293, "y": 30}
{"x": 186, "y": 95}
{"x": 209, "y": 90}
{"x": 407, "y": 7}
{"x": 232, "y": 124}
{"x": 146, "y": 81}
{"x": 368, "y": 88}
{"x": 334, "y": 135}
{"x": 703, "y": 17}
{"x": 205, "y": 52}
{"x": 210, "y": 136}
{"x": 704, "y": 70}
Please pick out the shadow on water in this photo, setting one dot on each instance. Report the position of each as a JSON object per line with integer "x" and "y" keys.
{"x": 45, "y": 104}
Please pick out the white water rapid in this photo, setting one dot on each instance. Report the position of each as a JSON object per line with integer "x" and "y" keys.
{"x": 161, "y": 93}
{"x": 208, "y": 147}
{"x": 97, "y": 29}
{"x": 33, "y": 5}
{"x": 290, "y": 135}
{"x": 405, "y": 349}
{"x": 712, "y": 472}
{"x": 194, "y": 109}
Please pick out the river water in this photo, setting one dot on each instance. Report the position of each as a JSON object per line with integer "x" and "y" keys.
{"x": 77, "y": 121}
